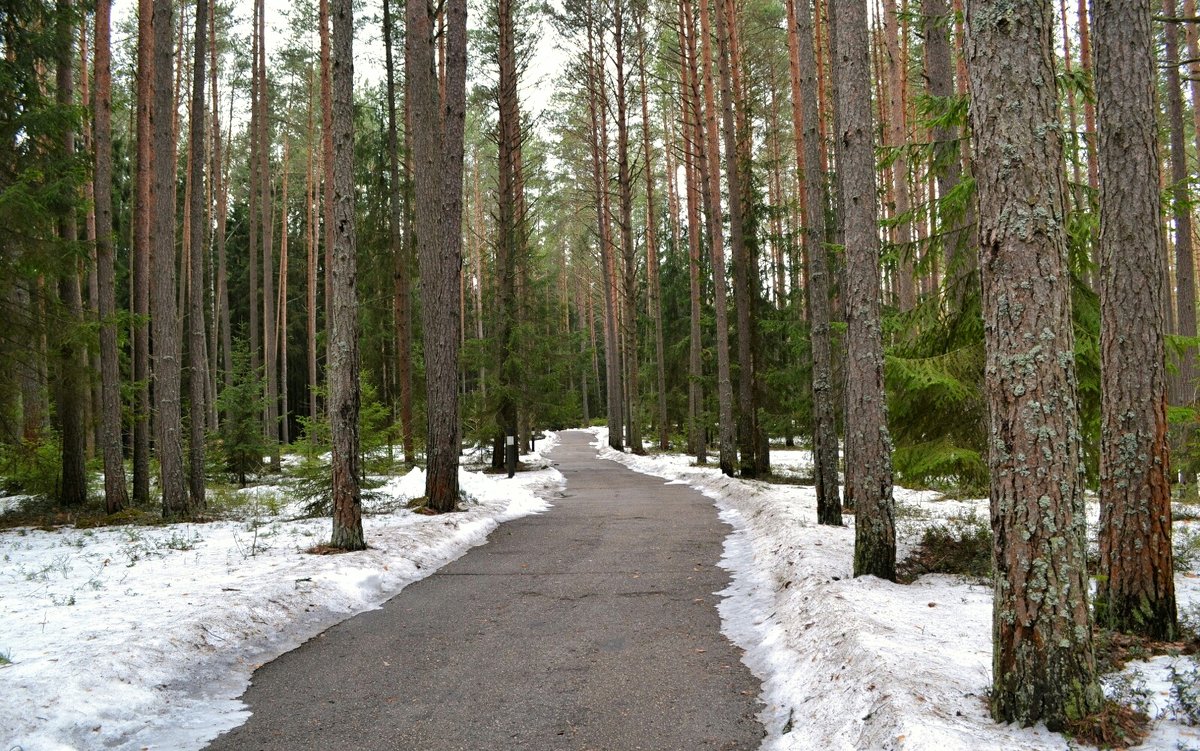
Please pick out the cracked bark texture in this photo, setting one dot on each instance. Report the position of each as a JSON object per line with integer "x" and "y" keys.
{"x": 868, "y": 444}
{"x": 438, "y": 117}
{"x": 344, "y": 397}
{"x": 1137, "y": 581}
{"x": 1043, "y": 667}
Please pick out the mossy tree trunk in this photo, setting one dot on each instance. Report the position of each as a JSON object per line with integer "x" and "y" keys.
{"x": 1137, "y": 580}
{"x": 1043, "y": 667}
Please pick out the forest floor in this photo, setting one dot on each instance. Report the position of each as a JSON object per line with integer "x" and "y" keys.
{"x": 138, "y": 637}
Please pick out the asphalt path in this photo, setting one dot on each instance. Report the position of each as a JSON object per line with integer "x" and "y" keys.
{"x": 591, "y": 627}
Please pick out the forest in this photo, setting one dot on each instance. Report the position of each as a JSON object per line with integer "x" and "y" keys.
{"x": 943, "y": 247}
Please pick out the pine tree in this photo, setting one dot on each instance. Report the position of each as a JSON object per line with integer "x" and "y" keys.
{"x": 1042, "y": 668}
{"x": 1136, "y": 590}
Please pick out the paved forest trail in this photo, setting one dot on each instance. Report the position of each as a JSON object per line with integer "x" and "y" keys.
{"x": 591, "y": 627}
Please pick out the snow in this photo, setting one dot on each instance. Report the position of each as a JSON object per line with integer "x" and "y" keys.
{"x": 863, "y": 663}
{"x": 145, "y": 637}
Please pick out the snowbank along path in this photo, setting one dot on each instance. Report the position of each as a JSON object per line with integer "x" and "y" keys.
{"x": 592, "y": 626}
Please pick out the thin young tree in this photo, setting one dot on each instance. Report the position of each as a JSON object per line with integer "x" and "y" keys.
{"x": 438, "y": 122}
{"x": 734, "y": 176}
{"x": 197, "y": 342}
{"x": 141, "y": 257}
{"x": 1043, "y": 668}
{"x": 691, "y": 142}
{"x": 116, "y": 496}
{"x": 868, "y": 445}
{"x": 164, "y": 313}
{"x": 806, "y": 116}
{"x": 653, "y": 287}
{"x": 402, "y": 308}
{"x": 1137, "y": 578}
{"x": 629, "y": 285}
{"x": 344, "y": 397}
{"x": 71, "y": 385}
{"x": 710, "y": 169}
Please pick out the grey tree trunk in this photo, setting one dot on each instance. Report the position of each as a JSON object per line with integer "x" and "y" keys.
{"x": 116, "y": 496}
{"x": 653, "y": 291}
{"x": 868, "y": 445}
{"x": 825, "y": 439}
{"x": 197, "y": 345}
{"x": 438, "y": 121}
{"x": 1137, "y": 578}
{"x": 1043, "y": 668}
{"x": 164, "y": 313}
{"x": 344, "y": 397}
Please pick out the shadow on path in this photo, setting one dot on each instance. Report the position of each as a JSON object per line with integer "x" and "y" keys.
{"x": 590, "y": 627}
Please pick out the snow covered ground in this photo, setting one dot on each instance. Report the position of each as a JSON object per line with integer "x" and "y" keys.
{"x": 144, "y": 637}
{"x": 863, "y": 663}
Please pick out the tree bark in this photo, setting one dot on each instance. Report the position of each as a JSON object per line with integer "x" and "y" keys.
{"x": 344, "y": 395}
{"x": 141, "y": 258}
{"x": 869, "y": 453}
{"x": 72, "y": 386}
{"x": 163, "y": 305}
{"x": 710, "y": 168}
{"x": 1137, "y": 576}
{"x": 653, "y": 290}
{"x": 267, "y": 205}
{"x": 633, "y": 430}
{"x": 742, "y": 261}
{"x": 402, "y": 307}
{"x": 697, "y": 445}
{"x": 1043, "y": 668}
{"x": 438, "y": 125}
{"x": 897, "y": 137}
{"x": 806, "y": 116}
{"x": 960, "y": 239}
{"x": 1183, "y": 385}
{"x": 116, "y": 496}
{"x": 197, "y": 344}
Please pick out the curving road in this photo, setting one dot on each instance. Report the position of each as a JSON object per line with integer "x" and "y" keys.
{"x": 591, "y": 627}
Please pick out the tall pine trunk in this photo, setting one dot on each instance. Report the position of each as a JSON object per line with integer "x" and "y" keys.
{"x": 1137, "y": 577}
{"x": 72, "y": 385}
{"x": 197, "y": 342}
{"x": 868, "y": 445}
{"x": 116, "y": 496}
{"x": 1042, "y": 668}
{"x": 711, "y": 170}
{"x": 141, "y": 258}
{"x": 163, "y": 305}
{"x": 438, "y": 122}
{"x": 344, "y": 397}
{"x": 817, "y": 280}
